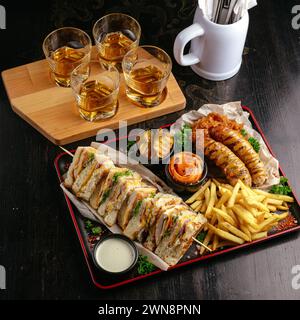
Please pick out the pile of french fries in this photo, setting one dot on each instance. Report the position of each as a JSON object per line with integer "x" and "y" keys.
{"x": 237, "y": 214}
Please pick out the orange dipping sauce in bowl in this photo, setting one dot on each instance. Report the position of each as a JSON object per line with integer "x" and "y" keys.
{"x": 186, "y": 168}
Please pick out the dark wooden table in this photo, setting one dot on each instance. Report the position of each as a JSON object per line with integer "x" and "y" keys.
{"x": 38, "y": 244}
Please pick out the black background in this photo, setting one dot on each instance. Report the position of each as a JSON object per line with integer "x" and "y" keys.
{"x": 38, "y": 244}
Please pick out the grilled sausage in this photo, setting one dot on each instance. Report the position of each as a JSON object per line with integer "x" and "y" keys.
{"x": 243, "y": 149}
{"x": 230, "y": 164}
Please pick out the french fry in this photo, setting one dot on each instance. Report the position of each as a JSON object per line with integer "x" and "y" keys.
{"x": 246, "y": 188}
{"x": 282, "y": 208}
{"x": 224, "y": 198}
{"x": 224, "y": 215}
{"x": 267, "y": 222}
{"x": 269, "y": 226}
{"x": 212, "y": 199}
{"x": 281, "y": 216}
{"x": 244, "y": 193}
{"x": 232, "y": 199}
{"x": 260, "y": 198}
{"x": 272, "y": 208}
{"x": 232, "y": 215}
{"x": 207, "y": 196}
{"x": 227, "y": 186}
{"x": 259, "y": 235}
{"x": 199, "y": 206}
{"x": 203, "y": 208}
{"x": 258, "y": 205}
{"x": 223, "y": 208}
{"x": 260, "y": 218}
{"x": 275, "y": 202}
{"x": 206, "y": 241}
{"x": 235, "y": 231}
{"x": 265, "y": 201}
{"x": 246, "y": 231}
{"x": 216, "y": 182}
{"x": 274, "y": 196}
{"x": 245, "y": 215}
{"x": 251, "y": 209}
{"x": 195, "y": 204}
{"x": 225, "y": 235}
{"x": 215, "y": 242}
{"x": 199, "y": 192}
{"x": 237, "y": 214}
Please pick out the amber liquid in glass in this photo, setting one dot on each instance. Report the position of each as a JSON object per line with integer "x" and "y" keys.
{"x": 144, "y": 86}
{"x": 65, "y": 59}
{"x": 97, "y": 101}
{"x": 113, "y": 47}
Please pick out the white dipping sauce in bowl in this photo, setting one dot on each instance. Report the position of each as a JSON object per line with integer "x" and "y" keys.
{"x": 115, "y": 254}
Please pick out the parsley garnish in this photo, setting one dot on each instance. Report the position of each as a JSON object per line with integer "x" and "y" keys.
{"x": 243, "y": 132}
{"x": 91, "y": 228}
{"x": 254, "y": 143}
{"x": 137, "y": 207}
{"x": 282, "y": 187}
{"x": 144, "y": 266}
{"x": 96, "y": 231}
{"x": 283, "y": 180}
{"x": 91, "y": 157}
{"x": 201, "y": 236}
{"x": 88, "y": 224}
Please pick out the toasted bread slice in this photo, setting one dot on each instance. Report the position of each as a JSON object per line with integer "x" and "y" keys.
{"x": 84, "y": 176}
{"x": 131, "y": 202}
{"x": 106, "y": 188}
{"x": 161, "y": 202}
{"x": 138, "y": 220}
{"x": 178, "y": 237}
{"x": 70, "y": 174}
{"x": 124, "y": 187}
{"x": 101, "y": 170}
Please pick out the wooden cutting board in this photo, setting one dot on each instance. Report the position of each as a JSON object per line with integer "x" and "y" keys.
{"x": 52, "y": 110}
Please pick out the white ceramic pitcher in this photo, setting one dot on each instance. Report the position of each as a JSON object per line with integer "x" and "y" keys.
{"x": 216, "y": 49}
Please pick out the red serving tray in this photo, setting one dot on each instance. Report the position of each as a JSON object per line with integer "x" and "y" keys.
{"x": 103, "y": 281}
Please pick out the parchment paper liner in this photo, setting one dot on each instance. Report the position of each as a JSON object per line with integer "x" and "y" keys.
{"x": 88, "y": 212}
{"x": 233, "y": 110}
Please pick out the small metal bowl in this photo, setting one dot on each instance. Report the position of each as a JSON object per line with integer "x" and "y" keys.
{"x": 182, "y": 187}
{"x": 124, "y": 238}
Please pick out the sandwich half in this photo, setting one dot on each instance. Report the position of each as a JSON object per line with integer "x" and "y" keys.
{"x": 70, "y": 174}
{"x": 138, "y": 222}
{"x": 177, "y": 237}
{"x": 161, "y": 202}
{"x": 104, "y": 188}
{"x": 103, "y": 165}
{"x": 82, "y": 158}
{"x": 132, "y": 204}
{"x": 123, "y": 187}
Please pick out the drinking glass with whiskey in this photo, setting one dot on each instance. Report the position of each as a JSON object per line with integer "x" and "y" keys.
{"x": 96, "y": 90}
{"x": 146, "y": 71}
{"x": 65, "y": 49}
{"x": 115, "y": 34}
